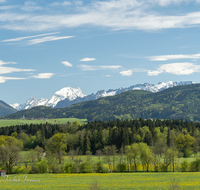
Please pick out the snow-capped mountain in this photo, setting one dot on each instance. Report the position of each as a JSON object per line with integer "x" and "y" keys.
{"x": 102, "y": 93}
{"x": 65, "y": 93}
{"x": 68, "y": 95}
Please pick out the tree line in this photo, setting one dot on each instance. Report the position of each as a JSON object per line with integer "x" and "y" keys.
{"x": 123, "y": 144}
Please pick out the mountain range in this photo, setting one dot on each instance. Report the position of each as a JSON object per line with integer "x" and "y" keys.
{"x": 181, "y": 101}
{"x": 68, "y": 96}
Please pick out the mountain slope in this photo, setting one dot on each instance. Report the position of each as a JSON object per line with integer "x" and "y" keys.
{"x": 102, "y": 93}
{"x": 6, "y": 109}
{"x": 178, "y": 102}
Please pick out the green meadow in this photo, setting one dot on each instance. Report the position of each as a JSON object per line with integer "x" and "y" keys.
{"x": 109, "y": 181}
{"x": 4, "y": 123}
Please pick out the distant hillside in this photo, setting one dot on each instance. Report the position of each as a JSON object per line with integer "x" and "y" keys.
{"x": 177, "y": 102}
{"x": 5, "y": 109}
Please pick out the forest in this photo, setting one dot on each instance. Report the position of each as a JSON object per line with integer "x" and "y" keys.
{"x": 128, "y": 145}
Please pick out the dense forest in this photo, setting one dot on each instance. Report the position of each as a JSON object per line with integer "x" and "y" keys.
{"x": 174, "y": 103}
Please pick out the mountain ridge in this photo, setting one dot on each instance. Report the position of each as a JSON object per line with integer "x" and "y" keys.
{"x": 68, "y": 96}
{"x": 178, "y": 102}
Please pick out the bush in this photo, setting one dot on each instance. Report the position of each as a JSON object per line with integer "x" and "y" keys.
{"x": 187, "y": 153}
{"x": 86, "y": 167}
{"x": 195, "y": 165}
{"x": 100, "y": 168}
{"x": 184, "y": 165}
{"x": 68, "y": 168}
{"x": 121, "y": 167}
{"x": 34, "y": 170}
{"x": 163, "y": 167}
{"x": 42, "y": 166}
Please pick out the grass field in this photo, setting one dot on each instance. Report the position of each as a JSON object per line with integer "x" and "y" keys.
{"x": 4, "y": 123}
{"x": 111, "y": 181}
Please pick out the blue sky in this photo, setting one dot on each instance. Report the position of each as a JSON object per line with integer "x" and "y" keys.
{"x": 94, "y": 45}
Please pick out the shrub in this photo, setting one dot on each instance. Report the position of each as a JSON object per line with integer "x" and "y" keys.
{"x": 195, "y": 165}
{"x": 34, "y": 169}
{"x": 184, "y": 165}
{"x": 42, "y": 166}
{"x": 68, "y": 168}
{"x": 121, "y": 167}
{"x": 100, "y": 168}
{"x": 86, "y": 167}
{"x": 163, "y": 167}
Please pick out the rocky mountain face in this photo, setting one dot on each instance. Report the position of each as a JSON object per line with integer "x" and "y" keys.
{"x": 68, "y": 95}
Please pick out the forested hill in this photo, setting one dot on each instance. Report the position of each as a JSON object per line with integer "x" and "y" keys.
{"x": 177, "y": 102}
{"x": 5, "y": 109}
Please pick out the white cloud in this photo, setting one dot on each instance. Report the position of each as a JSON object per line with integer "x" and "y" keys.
{"x": 27, "y": 37}
{"x": 176, "y": 69}
{"x": 30, "y": 6}
{"x": 2, "y": 1}
{"x": 88, "y": 59}
{"x": 6, "y": 63}
{"x": 7, "y": 70}
{"x": 172, "y": 57}
{"x": 114, "y": 14}
{"x": 94, "y": 68}
{"x": 60, "y": 4}
{"x": 47, "y": 39}
{"x": 31, "y": 40}
{"x": 126, "y": 73}
{"x": 108, "y": 75}
{"x": 4, "y": 79}
{"x": 43, "y": 75}
{"x": 67, "y": 64}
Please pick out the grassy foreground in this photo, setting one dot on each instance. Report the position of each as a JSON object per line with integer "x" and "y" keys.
{"x": 111, "y": 181}
{"x": 4, "y": 123}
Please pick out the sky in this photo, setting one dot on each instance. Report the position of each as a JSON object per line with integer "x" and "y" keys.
{"x": 46, "y": 45}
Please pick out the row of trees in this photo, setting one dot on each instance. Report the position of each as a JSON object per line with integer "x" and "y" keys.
{"x": 137, "y": 139}
{"x": 128, "y": 158}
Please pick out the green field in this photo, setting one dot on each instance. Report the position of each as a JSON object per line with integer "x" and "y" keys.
{"x": 4, "y": 123}
{"x": 111, "y": 181}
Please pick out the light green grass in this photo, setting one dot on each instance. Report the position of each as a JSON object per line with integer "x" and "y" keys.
{"x": 111, "y": 181}
{"x": 4, "y": 123}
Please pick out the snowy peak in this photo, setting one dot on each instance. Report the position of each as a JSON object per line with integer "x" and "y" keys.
{"x": 67, "y": 92}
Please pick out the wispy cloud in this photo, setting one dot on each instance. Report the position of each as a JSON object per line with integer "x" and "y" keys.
{"x": 4, "y": 79}
{"x": 7, "y": 70}
{"x": 30, "y": 6}
{"x": 176, "y": 69}
{"x": 28, "y": 37}
{"x": 126, "y": 73}
{"x": 94, "y": 68}
{"x": 113, "y": 14}
{"x": 47, "y": 39}
{"x": 172, "y": 57}
{"x": 87, "y": 59}
{"x": 43, "y": 75}
{"x": 64, "y": 3}
{"x": 67, "y": 64}
{"x": 36, "y": 39}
